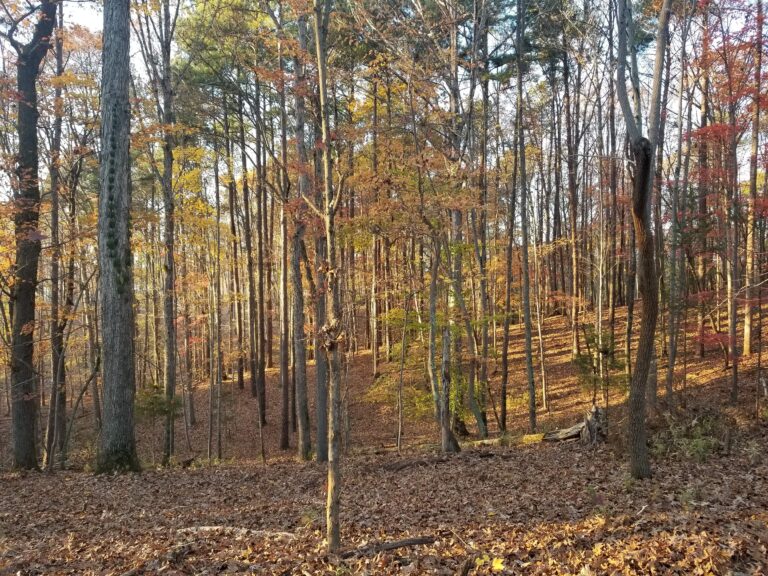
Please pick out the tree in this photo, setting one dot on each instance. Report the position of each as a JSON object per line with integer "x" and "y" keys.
{"x": 643, "y": 151}
{"x": 26, "y": 198}
{"x": 55, "y": 430}
{"x": 118, "y": 446}
{"x": 523, "y": 180}
{"x": 299, "y": 345}
{"x": 751, "y": 236}
{"x": 332, "y": 330}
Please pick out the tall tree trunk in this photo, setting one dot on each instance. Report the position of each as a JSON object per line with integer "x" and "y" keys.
{"x": 749, "y": 272}
{"x": 299, "y": 336}
{"x": 572, "y": 149}
{"x": 169, "y": 287}
{"x": 521, "y": 7}
{"x": 643, "y": 153}
{"x": 238, "y": 304}
{"x": 321, "y": 306}
{"x": 332, "y": 330}
{"x": 284, "y": 271}
{"x": 703, "y": 177}
{"x": 118, "y": 447}
{"x": 613, "y": 286}
{"x": 263, "y": 264}
{"x": 26, "y": 219}
{"x": 512, "y": 193}
{"x": 677, "y": 268}
{"x": 248, "y": 236}
{"x": 56, "y": 427}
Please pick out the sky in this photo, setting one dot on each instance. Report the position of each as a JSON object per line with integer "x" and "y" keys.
{"x": 84, "y": 12}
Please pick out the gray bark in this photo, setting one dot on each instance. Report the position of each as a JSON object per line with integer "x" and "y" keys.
{"x": 117, "y": 447}
{"x": 56, "y": 428}
{"x": 332, "y": 331}
{"x": 524, "y": 222}
{"x": 299, "y": 336}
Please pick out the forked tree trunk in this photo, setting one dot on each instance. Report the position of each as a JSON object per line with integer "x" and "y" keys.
{"x": 643, "y": 155}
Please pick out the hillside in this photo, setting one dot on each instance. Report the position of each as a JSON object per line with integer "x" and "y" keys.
{"x": 524, "y": 508}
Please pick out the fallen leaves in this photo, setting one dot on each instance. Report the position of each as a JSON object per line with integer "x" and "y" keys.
{"x": 529, "y": 508}
{"x": 248, "y": 519}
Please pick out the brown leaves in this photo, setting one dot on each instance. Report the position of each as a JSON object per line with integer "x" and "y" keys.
{"x": 509, "y": 513}
{"x": 524, "y": 509}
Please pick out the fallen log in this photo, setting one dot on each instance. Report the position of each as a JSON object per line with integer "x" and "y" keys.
{"x": 572, "y": 433}
{"x": 590, "y": 431}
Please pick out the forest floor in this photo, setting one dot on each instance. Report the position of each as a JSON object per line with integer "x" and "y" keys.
{"x": 525, "y": 507}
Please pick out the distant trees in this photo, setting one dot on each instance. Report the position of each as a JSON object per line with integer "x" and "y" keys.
{"x": 156, "y": 29}
{"x": 426, "y": 181}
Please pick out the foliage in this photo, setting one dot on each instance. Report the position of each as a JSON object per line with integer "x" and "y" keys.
{"x": 586, "y": 363}
{"x": 151, "y": 403}
{"x": 417, "y": 396}
{"x": 697, "y": 439}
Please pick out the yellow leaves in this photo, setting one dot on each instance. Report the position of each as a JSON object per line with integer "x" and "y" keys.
{"x": 495, "y": 564}
{"x": 70, "y": 79}
{"x": 532, "y": 438}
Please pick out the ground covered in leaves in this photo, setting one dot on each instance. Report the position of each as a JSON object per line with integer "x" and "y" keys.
{"x": 525, "y": 509}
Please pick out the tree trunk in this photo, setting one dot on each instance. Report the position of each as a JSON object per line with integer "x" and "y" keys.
{"x": 643, "y": 154}
{"x": 24, "y": 385}
{"x": 56, "y": 428}
{"x": 749, "y": 272}
{"x": 238, "y": 304}
{"x": 524, "y": 223}
{"x": 299, "y": 336}
{"x": 118, "y": 446}
{"x": 332, "y": 330}
{"x": 285, "y": 327}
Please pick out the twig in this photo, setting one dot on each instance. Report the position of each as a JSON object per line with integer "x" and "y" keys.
{"x": 383, "y": 546}
{"x": 236, "y": 531}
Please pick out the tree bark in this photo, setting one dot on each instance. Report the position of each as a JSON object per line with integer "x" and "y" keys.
{"x": 26, "y": 199}
{"x": 332, "y": 331}
{"x": 118, "y": 447}
{"x": 56, "y": 428}
{"x": 524, "y": 223}
{"x": 749, "y": 272}
{"x": 299, "y": 336}
{"x": 643, "y": 154}
{"x": 169, "y": 287}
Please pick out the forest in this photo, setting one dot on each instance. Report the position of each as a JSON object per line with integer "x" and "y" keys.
{"x": 383, "y": 287}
